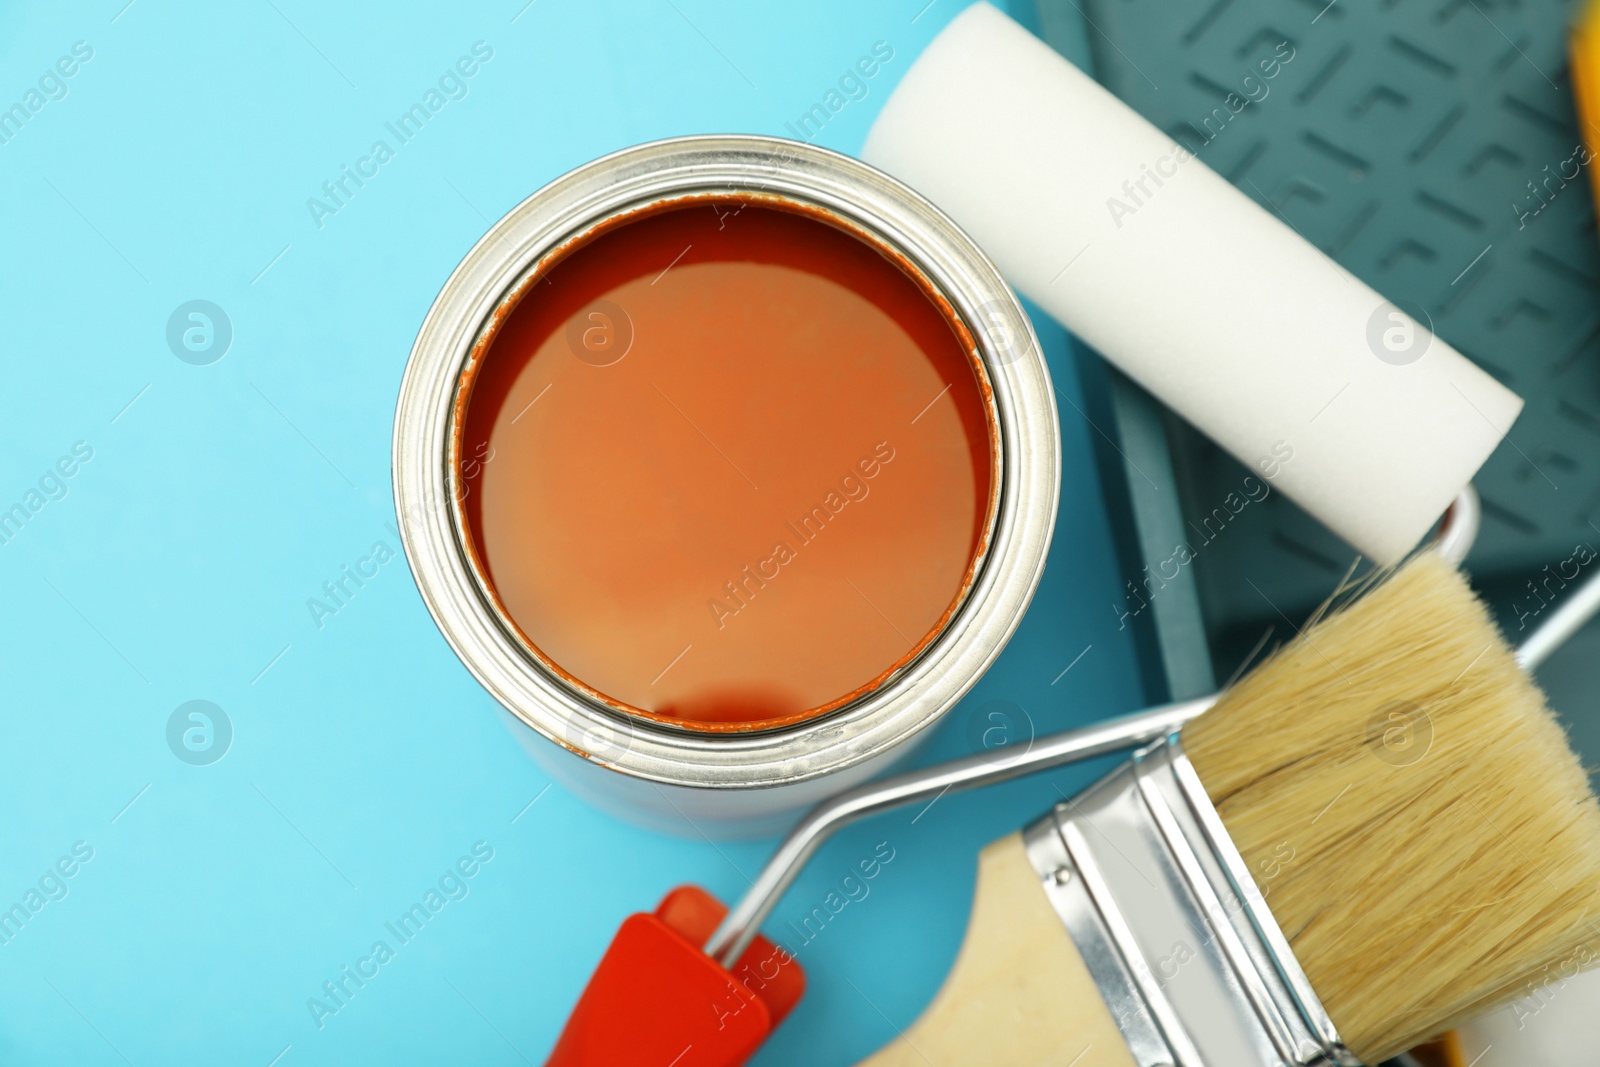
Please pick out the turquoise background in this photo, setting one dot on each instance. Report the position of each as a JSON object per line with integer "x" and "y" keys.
{"x": 364, "y": 759}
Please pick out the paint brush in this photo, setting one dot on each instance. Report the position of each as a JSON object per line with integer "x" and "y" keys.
{"x": 1376, "y": 834}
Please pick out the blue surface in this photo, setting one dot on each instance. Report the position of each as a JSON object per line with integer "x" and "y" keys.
{"x": 176, "y": 563}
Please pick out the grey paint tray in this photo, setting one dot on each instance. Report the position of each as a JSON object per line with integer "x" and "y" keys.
{"x": 1431, "y": 148}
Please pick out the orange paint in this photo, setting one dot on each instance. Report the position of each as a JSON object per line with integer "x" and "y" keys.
{"x": 724, "y": 465}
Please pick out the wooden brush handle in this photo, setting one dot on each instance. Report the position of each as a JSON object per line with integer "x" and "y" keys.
{"x": 1019, "y": 995}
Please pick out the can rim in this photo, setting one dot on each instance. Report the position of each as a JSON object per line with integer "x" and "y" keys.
{"x": 485, "y": 283}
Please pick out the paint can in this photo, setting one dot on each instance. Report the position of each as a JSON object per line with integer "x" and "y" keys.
{"x": 723, "y": 782}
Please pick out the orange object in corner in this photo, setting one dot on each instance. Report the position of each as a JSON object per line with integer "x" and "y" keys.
{"x": 1444, "y": 1051}
{"x": 657, "y": 998}
{"x": 1586, "y": 84}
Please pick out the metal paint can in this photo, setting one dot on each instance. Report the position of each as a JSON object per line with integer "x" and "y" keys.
{"x": 726, "y": 783}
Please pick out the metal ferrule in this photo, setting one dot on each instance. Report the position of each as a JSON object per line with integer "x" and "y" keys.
{"x": 1172, "y": 926}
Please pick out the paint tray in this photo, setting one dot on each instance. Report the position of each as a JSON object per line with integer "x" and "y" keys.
{"x": 1431, "y": 149}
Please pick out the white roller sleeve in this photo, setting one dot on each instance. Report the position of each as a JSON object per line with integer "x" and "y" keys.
{"x": 1212, "y": 303}
{"x": 1552, "y": 1025}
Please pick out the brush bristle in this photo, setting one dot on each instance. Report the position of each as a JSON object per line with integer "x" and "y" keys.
{"x": 1411, "y": 811}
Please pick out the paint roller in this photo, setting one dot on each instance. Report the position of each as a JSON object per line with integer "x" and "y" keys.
{"x": 1213, "y": 303}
